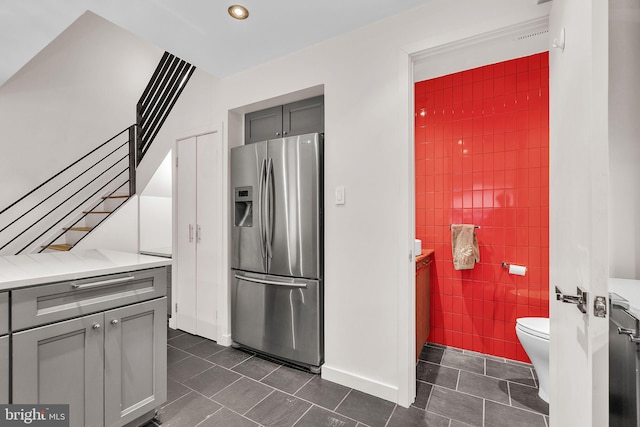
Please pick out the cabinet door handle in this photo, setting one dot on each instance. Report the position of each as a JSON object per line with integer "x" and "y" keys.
{"x": 114, "y": 322}
{"x": 198, "y": 233}
{"x": 285, "y": 132}
{"x": 190, "y": 233}
{"x": 103, "y": 282}
{"x": 277, "y": 133}
{"x": 96, "y": 326}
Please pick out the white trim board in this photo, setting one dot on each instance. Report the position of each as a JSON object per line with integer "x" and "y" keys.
{"x": 514, "y": 41}
{"x": 363, "y": 384}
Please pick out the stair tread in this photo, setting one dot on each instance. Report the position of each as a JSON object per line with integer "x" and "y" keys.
{"x": 78, "y": 228}
{"x": 116, "y": 196}
{"x": 59, "y": 247}
{"x": 96, "y": 212}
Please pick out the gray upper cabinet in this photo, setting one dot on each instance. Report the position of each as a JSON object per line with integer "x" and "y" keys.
{"x": 262, "y": 125}
{"x": 306, "y": 116}
{"x": 135, "y": 361}
{"x": 296, "y": 118}
{"x": 62, "y": 363}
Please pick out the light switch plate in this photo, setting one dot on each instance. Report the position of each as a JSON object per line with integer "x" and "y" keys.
{"x": 340, "y": 195}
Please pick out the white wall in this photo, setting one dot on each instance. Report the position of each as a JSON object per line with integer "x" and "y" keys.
{"x": 79, "y": 91}
{"x": 624, "y": 147}
{"x": 119, "y": 232}
{"x": 156, "y": 209}
{"x": 192, "y": 114}
{"x": 367, "y": 149}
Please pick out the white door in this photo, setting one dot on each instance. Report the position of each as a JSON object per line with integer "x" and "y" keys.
{"x": 578, "y": 210}
{"x": 209, "y": 205}
{"x": 199, "y": 226}
{"x": 185, "y": 254}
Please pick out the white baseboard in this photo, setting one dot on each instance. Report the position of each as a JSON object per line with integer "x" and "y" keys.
{"x": 224, "y": 339}
{"x": 365, "y": 385}
{"x": 172, "y": 322}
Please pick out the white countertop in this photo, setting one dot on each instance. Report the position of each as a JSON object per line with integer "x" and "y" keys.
{"x": 25, "y": 270}
{"x": 628, "y": 289}
{"x": 163, "y": 251}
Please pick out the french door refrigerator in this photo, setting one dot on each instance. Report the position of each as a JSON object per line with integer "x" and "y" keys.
{"x": 277, "y": 248}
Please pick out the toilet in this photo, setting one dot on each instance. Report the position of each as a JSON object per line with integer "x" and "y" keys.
{"x": 533, "y": 333}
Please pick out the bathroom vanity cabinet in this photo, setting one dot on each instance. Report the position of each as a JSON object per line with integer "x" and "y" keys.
{"x": 96, "y": 342}
{"x": 423, "y": 299}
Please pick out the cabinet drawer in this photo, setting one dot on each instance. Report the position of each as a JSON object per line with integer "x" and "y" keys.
{"x": 58, "y": 301}
{"x": 4, "y": 313}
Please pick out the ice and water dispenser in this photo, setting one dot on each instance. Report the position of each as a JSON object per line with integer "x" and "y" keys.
{"x": 243, "y": 207}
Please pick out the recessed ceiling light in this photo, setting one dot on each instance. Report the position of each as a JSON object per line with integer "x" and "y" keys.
{"x": 238, "y": 12}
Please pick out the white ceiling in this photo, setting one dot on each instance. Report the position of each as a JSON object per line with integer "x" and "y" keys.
{"x": 199, "y": 31}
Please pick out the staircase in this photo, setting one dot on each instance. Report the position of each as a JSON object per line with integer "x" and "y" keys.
{"x": 89, "y": 220}
{"x": 63, "y": 210}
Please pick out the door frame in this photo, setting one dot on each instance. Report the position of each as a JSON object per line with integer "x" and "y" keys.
{"x": 223, "y": 332}
{"x": 409, "y": 56}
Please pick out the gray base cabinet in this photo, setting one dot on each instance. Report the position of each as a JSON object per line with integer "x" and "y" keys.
{"x": 4, "y": 370}
{"x": 117, "y": 357}
{"x": 135, "y": 361}
{"x": 62, "y": 363}
{"x": 110, "y": 367}
{"x": 4, "y": 348}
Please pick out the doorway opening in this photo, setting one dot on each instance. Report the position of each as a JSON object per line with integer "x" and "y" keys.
{"x": 464, "y": 310}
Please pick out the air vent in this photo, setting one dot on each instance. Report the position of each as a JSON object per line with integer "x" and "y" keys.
{"x": 536, "y": 34}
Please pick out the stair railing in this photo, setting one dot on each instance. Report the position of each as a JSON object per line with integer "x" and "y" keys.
{"x": 157, "y": 100}
{"x": 107, "y": 167}
{"x": 34, "y": 217}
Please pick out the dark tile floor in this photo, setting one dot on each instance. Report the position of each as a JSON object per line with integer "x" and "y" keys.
{"x": 214, "y": 386}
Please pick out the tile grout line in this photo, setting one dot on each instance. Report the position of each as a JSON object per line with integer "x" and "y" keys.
{"x": 343, "y": 399}
{"x": 223, "y": 389}
{"x": 484, "y": 411}
{"x": 247, "y": 411}
{"x": 490, "y": 400}
{"x": 534, "y": 378}
{"x": 391, "y": 415}
{"x": 302, "y": 416}
{"x": 273, "y": 389}
{"x": 259, "y": 402}
{"x": 193, "y": 376}
{"x": 429, "y": 398}
{"x": 211, "y": 415}
{"x": 304, "y": 385}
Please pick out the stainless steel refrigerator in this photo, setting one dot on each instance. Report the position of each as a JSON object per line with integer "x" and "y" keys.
{"x": 277, "y": 248}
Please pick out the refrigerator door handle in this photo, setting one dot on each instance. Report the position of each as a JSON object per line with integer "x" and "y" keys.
{"x": 269, "y": 209}
{"x": 271, "y": 282}
{"x": 261, "y": 204}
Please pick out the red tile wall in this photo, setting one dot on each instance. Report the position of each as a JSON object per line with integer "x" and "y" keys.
{"x": 482, "y": 157}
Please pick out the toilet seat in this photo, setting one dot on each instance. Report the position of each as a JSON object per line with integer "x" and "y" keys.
{"x": 536, "y": 326}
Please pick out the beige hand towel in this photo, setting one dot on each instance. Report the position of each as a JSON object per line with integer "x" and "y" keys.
{"x": 464, "y": 245}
